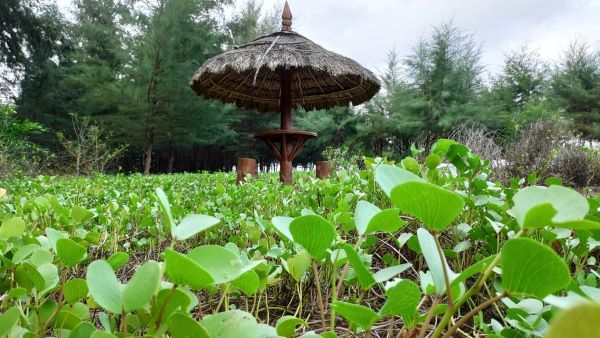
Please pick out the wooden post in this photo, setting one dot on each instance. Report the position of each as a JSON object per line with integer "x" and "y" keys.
{"x": 323, "y": 169}
{"x": 285, "y": 100}
{"x": 285, "y": 172}
{"x": 245, "y": 166}
{"x": 285, "y": 105}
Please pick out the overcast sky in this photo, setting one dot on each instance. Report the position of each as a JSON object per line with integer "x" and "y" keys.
{"x": 366, "y": 29}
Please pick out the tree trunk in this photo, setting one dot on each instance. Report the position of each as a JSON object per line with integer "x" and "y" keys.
{"x": 148, "y": 152}
{"x": 171, "y": 160}
{"x": 153, "y": 99}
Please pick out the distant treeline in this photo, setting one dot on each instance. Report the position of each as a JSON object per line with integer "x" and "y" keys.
{"x": 126, "y": 64}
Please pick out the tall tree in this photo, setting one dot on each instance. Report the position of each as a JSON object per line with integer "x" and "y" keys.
{"x": 180, "y": 35}
{"x": 251, "y": 22}
{"x": 376, "y": 132}
{"x": 576, "y": 87}
{"x": 29, "y": 31}
{"x": 518, "y": 95}
{"x": 336, "y": 127}
{"x": 445, "y": 68}
{"x": 34, "y": 49}
{"x": 94, "y": 81}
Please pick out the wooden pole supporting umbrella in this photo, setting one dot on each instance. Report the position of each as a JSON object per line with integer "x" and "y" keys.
{"x": 281, "y": 71}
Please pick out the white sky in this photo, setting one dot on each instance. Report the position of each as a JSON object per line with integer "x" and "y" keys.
{"x": 366, "y": 30}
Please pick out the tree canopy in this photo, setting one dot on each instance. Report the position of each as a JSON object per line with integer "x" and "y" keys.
{"x": 125, "y": 64}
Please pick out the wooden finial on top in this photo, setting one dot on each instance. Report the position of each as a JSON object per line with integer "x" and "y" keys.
{"x": 286, "y": 22}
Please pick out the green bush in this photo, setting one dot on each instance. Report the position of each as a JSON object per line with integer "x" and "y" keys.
{"x": 19, "y": 156}
{"x": 428, "y": 247}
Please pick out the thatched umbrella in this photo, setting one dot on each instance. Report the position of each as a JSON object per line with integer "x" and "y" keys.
{"x": 280, "y": 71}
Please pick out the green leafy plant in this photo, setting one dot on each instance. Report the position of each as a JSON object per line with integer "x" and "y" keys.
{"x": 428, "y": 246}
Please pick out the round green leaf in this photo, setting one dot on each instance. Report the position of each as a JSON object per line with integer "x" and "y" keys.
{"x": 193, "y": 224}
{"x": 40, "y": 257}
{"x": 46, "y": 310}
{"x": 355, "y": 314}
{"x": 248, "y": 282}
{"x": 27, "y": 276}
{"x": 13, "y": 227}
{"x": 53, "y": 236}
{"x": 24, "y": 252}
{"x": 80, "y": 214}
{"x": 117, "y": 260}
{"x": 411, "y": 164}
{"x": 531, "y": 268}
{"x": 104, "y": 286}
{"x": 314, "y": 233}
{"x": 436, "y": 207}
{"x": 66, "y": 319}
{"x": 369, "y": 219}
{"x": 49, "y": 273}
{"x": 178, "y": 300}
{"x": 441, "y": 146}
{"x": 579, "y": 321}
{"x": 8, "y": 320}
{"x": 75, "y": 290}
{"x": 142, "y": 286}
{"x": 402, "y": 300}
{"x": 234, "y": 324}
{"x": 183, "y": 326}
{"x": 298, "y": 264}
{"x": 551, "y": 206}
{"x": 102, "y": 334}
{"x": 183, "y": 270}
{"x": 70, "y": 252}
{"x": 286, "y": 326}
{"x": 433, "y": 161}
{"x": 365, "y": 277}
{"x": 388, "y": 273}
{"x": 83, "y": 330}
{"x": 282, "y": 225}
{"x": 222, "y": 264}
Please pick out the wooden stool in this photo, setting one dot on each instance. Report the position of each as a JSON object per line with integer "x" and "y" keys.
{"x": 245, "y": 166}
{"x": 323, "y": 169}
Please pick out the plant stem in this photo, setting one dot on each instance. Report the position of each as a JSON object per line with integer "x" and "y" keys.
{"x": 436, "y": 301}
{"x": 222, "y": 298}
{"x": 345, "y": 269}
{"x": 361, "y": 296}
{"x": 319, "y": 296}
{"x": 470, "y": 314}
{"x": 60, "y": 302}
{"x": 342, "y": 276}
{"x": 161, "y": 312}
{"x": 474, "y": 289}
{"x": 446, "y": 277}
{"x": 124, "y": 322}
{"x": 390, "y": 327}
{"x": 333, "y": 299}
{"x": 334, "y": 293}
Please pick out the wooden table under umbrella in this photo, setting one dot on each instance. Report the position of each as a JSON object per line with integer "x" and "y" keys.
{"x": 281, "y": 71}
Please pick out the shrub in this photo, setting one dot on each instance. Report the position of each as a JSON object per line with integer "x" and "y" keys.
{"x": 19, "y": 156}
{"x": 481, "y": 142}
{"x": 550, "y": 148}
{"x": 88, "y": 149}
{"x": 577, "y": 164}
{"x": 343, "y": 158}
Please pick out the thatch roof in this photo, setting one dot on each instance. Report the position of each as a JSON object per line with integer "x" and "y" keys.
{"x": 320, "y": 78}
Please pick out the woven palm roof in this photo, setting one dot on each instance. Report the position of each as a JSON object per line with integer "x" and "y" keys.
{"x": 249, "y": 75}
